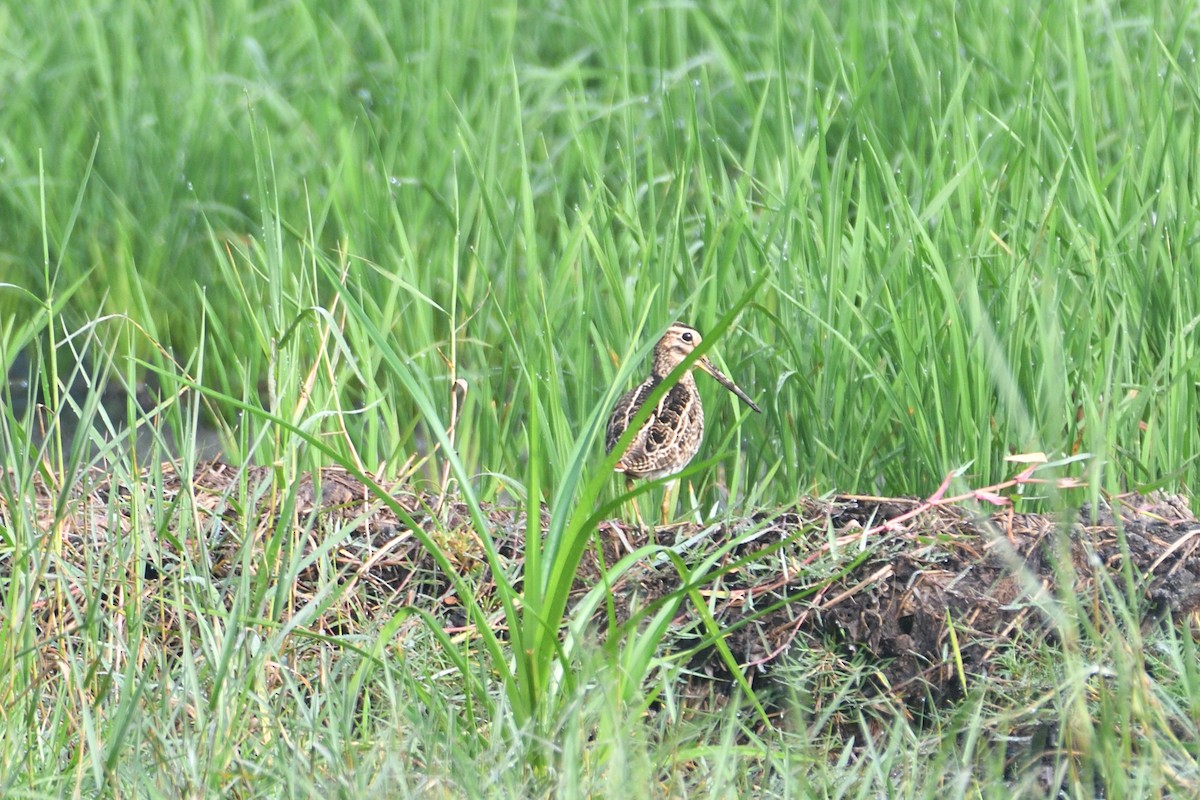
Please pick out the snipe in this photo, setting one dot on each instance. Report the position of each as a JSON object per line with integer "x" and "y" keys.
{"x": 671, "y": 436}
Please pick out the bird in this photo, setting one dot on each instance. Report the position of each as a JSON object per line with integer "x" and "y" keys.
{"x": 670, "y": 438}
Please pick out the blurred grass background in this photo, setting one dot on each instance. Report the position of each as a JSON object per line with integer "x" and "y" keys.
{"x": 968, "y": 229}
{"x": 977, "y": 221}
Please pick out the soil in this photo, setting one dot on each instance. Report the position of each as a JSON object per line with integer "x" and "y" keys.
{"x": 931, "y": 593}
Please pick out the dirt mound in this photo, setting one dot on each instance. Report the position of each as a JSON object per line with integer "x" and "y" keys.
{"x": 933, "y": 590}
{"x": 935, "y": 597}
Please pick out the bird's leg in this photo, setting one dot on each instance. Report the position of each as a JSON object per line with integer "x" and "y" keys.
{"x": 668, "y": 490}
{"x": 636, "y": 513}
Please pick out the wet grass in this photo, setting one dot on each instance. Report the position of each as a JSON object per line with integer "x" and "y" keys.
{"x": 921, "y": 235}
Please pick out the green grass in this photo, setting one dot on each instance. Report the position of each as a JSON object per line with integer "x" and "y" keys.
{"x": 959, "y": 230}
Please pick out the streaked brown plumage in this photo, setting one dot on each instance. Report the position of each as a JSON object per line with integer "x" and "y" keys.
{"x": 671, "y": 437}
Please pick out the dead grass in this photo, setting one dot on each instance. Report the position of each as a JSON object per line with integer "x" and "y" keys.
{"x": 933, "y": 595}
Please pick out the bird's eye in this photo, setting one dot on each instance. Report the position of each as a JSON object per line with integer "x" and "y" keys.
{"x": 687, "y": 336}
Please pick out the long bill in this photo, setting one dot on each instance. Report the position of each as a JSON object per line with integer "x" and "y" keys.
{"x": 722, "y": 379}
